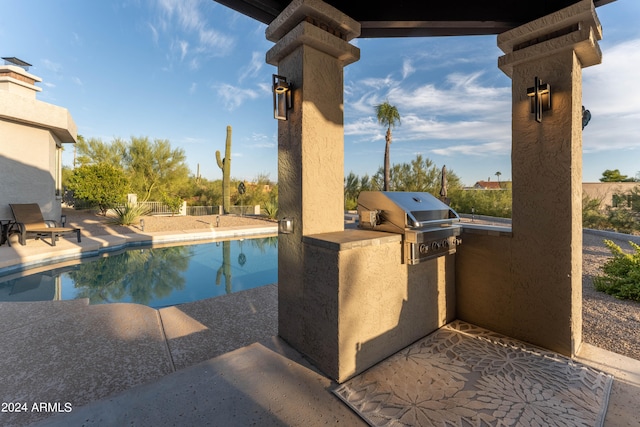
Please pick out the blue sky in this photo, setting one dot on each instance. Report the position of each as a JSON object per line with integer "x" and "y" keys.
{"x": 183, "y": 70}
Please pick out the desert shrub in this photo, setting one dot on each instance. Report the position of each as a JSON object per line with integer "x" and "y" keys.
{"x": 128, "y": 214}
{"x": 482, "y": 202}
{"x": 621, "y": 277}
{"x": 99, "y": 184}
{"x": 174, "y": 203}
{"x": 623, "y": 220}
{"x": 592, "y": 216}
{"x": 270, "y": 208}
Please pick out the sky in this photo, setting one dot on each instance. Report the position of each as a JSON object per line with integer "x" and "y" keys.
{"x": 182, "y": 70}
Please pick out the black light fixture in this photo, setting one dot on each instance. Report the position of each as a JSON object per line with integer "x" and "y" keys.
{"x": 63, "y": 220}
{"x": 540, "y": 97}
{"x": 281, "y": 97}
{"x": 285, "y": 226}
{"x": 586, "y": 117}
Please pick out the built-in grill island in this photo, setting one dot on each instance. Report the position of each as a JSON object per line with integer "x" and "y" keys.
{"x": 428, "y": 226}
{"x": 370, "y": 291}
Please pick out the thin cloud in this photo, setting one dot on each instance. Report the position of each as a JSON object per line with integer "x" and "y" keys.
{"x": 253, "y": 68}
{"x": 233, "y": 97}
{"x": 154, "y": 33}
{"x": 76, "y": 39}
{"x": 52, "y": 66}
{"x": 480, "y": 150}
{"x": 186, "y": 16}
{"x": 407, "y": 68}
{"x": 612, "y": 95}
{"x": 190, "y": 140}
{"x": 184, "y": 48}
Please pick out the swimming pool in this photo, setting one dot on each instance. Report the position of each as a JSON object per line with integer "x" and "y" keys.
{"x": 157, "y": 277}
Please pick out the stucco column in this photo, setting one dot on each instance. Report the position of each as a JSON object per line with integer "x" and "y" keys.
{"x": 546, "y": 304}
{"x": 311, "y": 50}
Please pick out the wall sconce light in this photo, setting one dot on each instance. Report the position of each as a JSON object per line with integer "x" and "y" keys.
{"x": 63, "y": 220}
{"x": 281, "y": 97}
{"x": 285, "y": 226}
{"x": 142, "y": 224}
{"x": 586, "y": 117}
{"x": 540, "y": 96}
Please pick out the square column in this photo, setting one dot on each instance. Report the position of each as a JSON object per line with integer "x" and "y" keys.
{"x": 545, "y": 305}
{"x": 311, "y": 50}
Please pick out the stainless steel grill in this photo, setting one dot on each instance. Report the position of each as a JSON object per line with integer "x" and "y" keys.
{"x": 427, "y": 225}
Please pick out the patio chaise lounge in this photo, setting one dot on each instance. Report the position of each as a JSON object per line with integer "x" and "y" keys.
{"x": 31, "y": 223}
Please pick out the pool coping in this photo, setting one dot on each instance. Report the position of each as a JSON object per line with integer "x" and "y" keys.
{"x": 18, "y": 258}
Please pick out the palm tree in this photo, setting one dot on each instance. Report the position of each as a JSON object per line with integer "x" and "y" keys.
{"x": 498, "y": 175}
{"x": 387, "y": 116}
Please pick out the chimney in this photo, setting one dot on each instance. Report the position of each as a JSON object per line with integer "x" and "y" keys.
{"x": 15, "y": 78}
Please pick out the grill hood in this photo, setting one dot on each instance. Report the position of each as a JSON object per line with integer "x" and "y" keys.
{"x": 397, "y": 211}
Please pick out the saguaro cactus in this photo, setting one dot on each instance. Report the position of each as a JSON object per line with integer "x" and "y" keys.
{"x": 225, "y": 268}
{"x": 225, "y": 165}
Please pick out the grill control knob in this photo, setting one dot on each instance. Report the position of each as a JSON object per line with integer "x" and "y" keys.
{"x": 445, "y": 243}
{"x": 435, "y": 245}
{"x": 424, "y": 248}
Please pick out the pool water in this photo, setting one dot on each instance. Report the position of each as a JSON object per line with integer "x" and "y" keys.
{"x": 157, "y": 277}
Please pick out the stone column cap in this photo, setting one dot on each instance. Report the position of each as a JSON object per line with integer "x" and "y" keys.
{"x": 309, "y": 35}
{"x": 335, "y": 21}
{"x": 575, "y": 27}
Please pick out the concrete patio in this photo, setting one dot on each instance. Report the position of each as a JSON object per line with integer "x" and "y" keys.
{"x": 210, "y": 362}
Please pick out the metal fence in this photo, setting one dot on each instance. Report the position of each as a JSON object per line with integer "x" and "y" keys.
{"x": 244, "y": 210}
{"x": 203, "y": 210}
{"x": 156, "y": 208}
{"x": 159, "y": 208}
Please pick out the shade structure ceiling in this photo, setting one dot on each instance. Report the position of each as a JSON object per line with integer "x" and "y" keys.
{"x": 422, "y": 18}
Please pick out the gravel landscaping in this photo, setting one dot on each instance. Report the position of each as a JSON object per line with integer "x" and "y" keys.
{"x": 608, "y": 322}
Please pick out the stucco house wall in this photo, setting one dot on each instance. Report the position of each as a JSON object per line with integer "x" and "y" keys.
{"x": 31, "y": 136}
{"x": 604, "y": 191}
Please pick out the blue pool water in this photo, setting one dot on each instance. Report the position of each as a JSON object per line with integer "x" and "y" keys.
{"x": 157, "y": 277}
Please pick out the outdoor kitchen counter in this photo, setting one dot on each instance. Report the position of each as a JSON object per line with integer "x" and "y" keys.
{"x": 351, "y": 239}
{"x": 361, "y": 303}
{"x": 490, "y": 230}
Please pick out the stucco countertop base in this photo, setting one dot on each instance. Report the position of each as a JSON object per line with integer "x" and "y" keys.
{"x": 351, "y": 239}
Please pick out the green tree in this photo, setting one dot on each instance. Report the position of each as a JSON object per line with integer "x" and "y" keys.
{"x": 202, "y": 192}
{"x": 66, "y": 174}
{"x": 421, "y": 174}
{"x": 258, "y": 192}
{"x": 155, "y": 169}
{"x": 482, "y": 202}
{"x": 101, "y": 184}
{"x": 351, "y": 191}
{"x": 366, "y": 184}
{"x": 388, "y": 116}
{"x": 615, "y": 176}
{"x": 93, "y": 151}
{"x": 498, "y": 175}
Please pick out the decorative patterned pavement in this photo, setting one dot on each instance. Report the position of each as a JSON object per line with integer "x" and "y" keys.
{"x": 463, "y": 375}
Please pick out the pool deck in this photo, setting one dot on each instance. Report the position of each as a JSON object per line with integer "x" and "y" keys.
{"x": 211, "y": 362}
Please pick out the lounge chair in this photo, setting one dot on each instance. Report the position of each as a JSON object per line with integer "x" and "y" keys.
{"x": 31, "y": 223}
